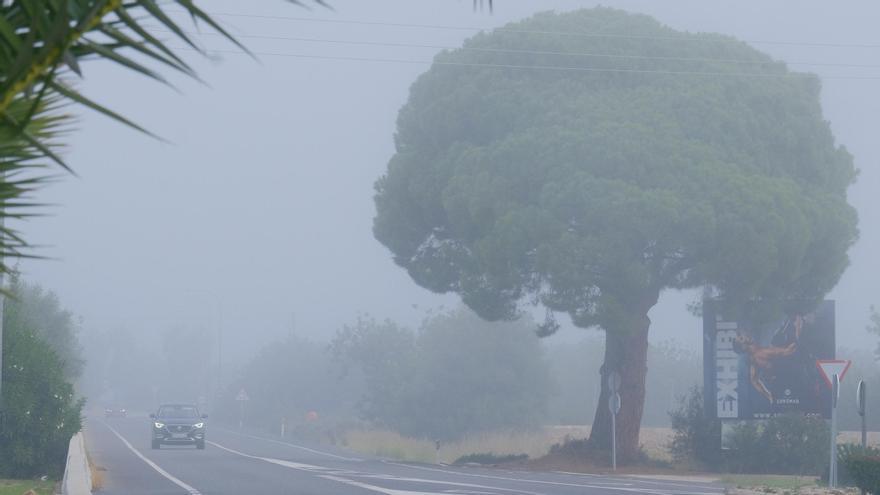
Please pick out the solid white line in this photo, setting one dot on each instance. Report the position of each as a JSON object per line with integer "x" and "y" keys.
{"x": 190, "y": 490}
{"x": 555, "y": 483}
{"x": 336, "y": 475}
{"x": 292, "y": 445}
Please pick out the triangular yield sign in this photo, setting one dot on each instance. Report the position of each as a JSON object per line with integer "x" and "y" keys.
{"x": 242, "y": 396}
{"x": 830, "y": 367}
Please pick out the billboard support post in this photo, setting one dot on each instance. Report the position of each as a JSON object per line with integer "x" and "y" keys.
{"x": 832, "y": 467}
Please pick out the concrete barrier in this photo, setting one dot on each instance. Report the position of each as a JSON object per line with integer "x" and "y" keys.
{"x": 77, "y": 475}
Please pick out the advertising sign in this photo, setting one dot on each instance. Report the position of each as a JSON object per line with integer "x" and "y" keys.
{"x": 756, "y": 368}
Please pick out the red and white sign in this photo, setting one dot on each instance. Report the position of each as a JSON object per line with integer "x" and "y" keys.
{"x": 831, "y": 367}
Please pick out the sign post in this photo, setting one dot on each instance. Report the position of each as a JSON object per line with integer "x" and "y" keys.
{"x": 242, "y": 397}
{"x": 614, "y": 408}
{"x": 861, "y": 398}
{"x": 832, "y": 470}
{"x": 833, "y": 370}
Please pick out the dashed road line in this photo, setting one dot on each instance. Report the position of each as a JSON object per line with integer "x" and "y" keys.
{"x": 292, "y": 445}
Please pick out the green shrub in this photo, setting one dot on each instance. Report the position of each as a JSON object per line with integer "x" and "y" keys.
{"x": 865, "y": 470}
{"x": 696, "y": 437}
{"x": 489, "y": 458}
{"x": 844, "y": 452}
{"x": 790, "y": 444}
{"x": 41, "y": 412}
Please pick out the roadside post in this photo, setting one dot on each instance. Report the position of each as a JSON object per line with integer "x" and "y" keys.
{"x": 242, "y": 397}
{"x": 614, "y": 408}
{"x": 833, "y": 370}
{"x": 862, "y": 400}
{"x": 835, "y": 392}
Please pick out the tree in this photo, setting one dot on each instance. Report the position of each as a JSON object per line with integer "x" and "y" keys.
{"x": 42, "y": 312}
{"x": 590, "y": 183}
{"x": 42, "y": 412}
{"x": 874, "y": 327}
{"x": 288, "y": 379}
{"x": 431, "y": 385}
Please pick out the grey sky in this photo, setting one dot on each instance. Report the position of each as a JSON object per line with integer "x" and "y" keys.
{"x": 262, "y": 207}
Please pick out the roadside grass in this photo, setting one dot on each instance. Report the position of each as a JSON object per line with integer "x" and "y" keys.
{"x": 20, "y": 487}
{"x": 763, "y": 482}
{"x": 392, "y": 445}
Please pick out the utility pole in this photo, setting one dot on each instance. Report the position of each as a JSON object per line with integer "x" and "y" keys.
{"x": 2, "y": 305}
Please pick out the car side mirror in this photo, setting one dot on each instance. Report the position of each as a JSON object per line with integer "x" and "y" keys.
{"x": 152, "y": 416}
{"x": 204, "y": 416}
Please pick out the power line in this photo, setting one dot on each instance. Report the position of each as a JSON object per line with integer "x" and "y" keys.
{"x": 552, "y": 33}
{"x": 539, "y": 52}
{"x": 560, "y": 68}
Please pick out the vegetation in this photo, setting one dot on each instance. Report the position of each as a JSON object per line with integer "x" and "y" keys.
{"x": 16, "y": 487}
{"x": 289, "y": 379}
{"x": 696, "y": 437}
{"x": 789, "y": 444}
{"x": 430, "y": 385}
{"x": 865, "y": 471}
{"x": 846, "y": 452}
{"x": 41, "y": 311}
{"x": 874, "y": 327}
{"x": 589, "y": 192}
{"x": 41, "y": 410}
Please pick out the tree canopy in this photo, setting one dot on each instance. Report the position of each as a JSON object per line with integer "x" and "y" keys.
{"x": 586, "y": 161}
{"x": 677, "y": 160}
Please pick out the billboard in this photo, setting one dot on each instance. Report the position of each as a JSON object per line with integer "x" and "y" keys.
{"x": 759, "y": 367}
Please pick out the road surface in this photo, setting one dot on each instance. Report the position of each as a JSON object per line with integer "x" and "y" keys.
{"x": 235, "y": 464}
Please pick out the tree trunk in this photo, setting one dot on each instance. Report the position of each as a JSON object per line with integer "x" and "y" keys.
{"x": 627, "y": 353}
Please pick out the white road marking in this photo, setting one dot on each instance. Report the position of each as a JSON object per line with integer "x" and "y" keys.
{"x": 559, "y": 483}
{"x": 292, "y": 445}
{"x": 190, "y": 490}
{"x": 336, "y": 475}
{"x": 653, "y": 480}
{"x": 378, "y": 489}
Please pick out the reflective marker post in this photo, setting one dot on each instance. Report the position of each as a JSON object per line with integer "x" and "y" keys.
{"x": 614, "y": 408}
{"x": 861, "y": 398}
{"x": 832, "y": 468}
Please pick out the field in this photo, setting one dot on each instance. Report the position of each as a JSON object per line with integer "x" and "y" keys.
{"x": 18, "y": 487}
{"x": 534, "y": 443}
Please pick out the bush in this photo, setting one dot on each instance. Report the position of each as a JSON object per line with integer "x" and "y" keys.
{"x": 844, "y": 453}
{"x": 696, "y": 437}
{"x": 865, "y": 470}
{"x": 41, "y": 412}
{"x": 788, "y": 444}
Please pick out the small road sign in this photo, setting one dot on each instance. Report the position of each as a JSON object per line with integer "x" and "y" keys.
{"x": 831, "y": 367}
{"x": 614, "y": 381}
{"x": 614, "y": 403}
{"x": 242, "y": 396}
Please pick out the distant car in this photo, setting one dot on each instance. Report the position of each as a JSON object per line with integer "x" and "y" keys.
{"x": 178, "y": 424}
{"x": 114, "y": 412}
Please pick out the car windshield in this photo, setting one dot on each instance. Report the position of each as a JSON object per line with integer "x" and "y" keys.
{"x": 178, "y": 412}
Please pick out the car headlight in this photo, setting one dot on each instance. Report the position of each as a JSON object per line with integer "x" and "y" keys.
{"x": 199, "y": 425}
{"x": 159, "y": 425}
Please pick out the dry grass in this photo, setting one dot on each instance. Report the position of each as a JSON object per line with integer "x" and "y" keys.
{"x": 97, "y": 473}
{"x": 535, "y": 443}
{"x": 383, "y": 443}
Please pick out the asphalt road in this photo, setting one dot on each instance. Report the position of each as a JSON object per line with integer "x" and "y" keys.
{"x": 235, "y": 463}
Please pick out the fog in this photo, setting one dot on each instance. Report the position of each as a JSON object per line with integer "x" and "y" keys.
{"x": 254, "y": 220}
